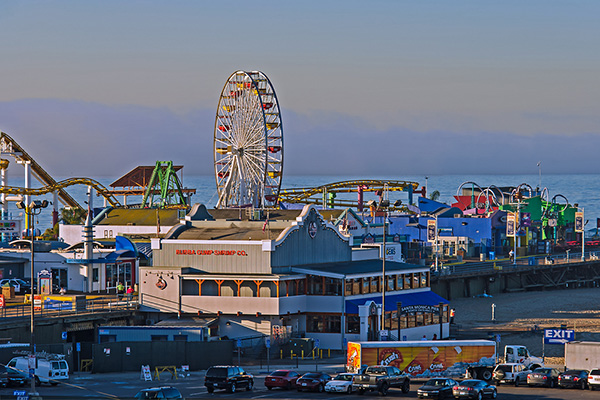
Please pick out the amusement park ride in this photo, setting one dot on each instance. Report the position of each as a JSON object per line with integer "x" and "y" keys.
{"x": 248, "y": 153}
{"x": 163, "y": 189}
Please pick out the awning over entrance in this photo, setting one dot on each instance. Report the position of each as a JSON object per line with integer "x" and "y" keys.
{"x": 426, "y": 298}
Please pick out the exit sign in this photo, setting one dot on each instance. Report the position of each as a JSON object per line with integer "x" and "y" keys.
{"x": 558, "y": 336}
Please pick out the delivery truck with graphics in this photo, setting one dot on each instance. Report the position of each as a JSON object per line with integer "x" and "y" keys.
{"x": 427, "y": 358}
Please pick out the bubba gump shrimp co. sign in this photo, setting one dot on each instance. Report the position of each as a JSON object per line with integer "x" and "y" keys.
{"x": 192, "y": 252}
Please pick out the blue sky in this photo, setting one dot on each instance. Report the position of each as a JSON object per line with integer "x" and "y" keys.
{"x": 95, "y": 88}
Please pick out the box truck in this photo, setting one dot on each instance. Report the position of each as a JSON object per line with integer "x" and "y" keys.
{"x": 426, "y": 358}
{"x": 582, "y": 355}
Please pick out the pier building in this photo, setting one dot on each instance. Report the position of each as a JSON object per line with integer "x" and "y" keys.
{"x": 291, "y": 273}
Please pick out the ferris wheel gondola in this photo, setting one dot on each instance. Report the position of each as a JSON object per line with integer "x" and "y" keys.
{"x": 248, "y": 142}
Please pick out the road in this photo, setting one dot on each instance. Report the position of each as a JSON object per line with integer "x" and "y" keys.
{"x": 126, "y": 385}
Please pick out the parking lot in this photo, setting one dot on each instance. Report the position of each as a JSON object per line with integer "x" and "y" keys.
{"x": 126, "y": 385}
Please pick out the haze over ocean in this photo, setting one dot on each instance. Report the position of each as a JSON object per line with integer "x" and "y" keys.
{"x": 583, "y": 189}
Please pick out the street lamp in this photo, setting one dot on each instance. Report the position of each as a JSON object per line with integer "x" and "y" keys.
{"x": 433, "y": 235}
{"x": 580, "y": 227}
{"x": 384, "y": 204}
{"x": 34, "y": 208}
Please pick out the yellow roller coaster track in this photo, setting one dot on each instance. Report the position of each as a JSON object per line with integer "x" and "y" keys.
{"x": 102, "y": 191}
{"x": 314, "y": 195}
{"x": 8, "y": 146}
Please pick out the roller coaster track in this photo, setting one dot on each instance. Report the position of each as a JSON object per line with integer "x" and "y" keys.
{"x": 57, "y": 186}
{"x": 8, "y": 146}
{"x": 314, "y": 195}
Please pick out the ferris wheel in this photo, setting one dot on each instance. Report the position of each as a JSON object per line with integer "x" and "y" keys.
{"x": 248, "y": 142}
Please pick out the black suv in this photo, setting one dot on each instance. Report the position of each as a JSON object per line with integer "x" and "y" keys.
{"x": 227, "y": 377}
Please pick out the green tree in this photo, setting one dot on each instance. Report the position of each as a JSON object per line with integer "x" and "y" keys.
{"x": 72, "y": 216}
{"x": 435, "y": 195}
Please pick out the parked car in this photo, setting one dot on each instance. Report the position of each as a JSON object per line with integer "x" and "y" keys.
{"x": 13, "y": 377}
{"x": 474, "y": 389}
{"x": 437, "y": 388}
{"x": 282, "y": 378}
{"x": 21, "y": 287}
{"x": 577, "y": 378}
{"x": 543, "y": 377}
{"x": 312, "y": 381}
{"x": 510, "y": 373}
{"x": 594, "y": 379}
{"x": 227, "y": 377}
{"x": 342, "y": 383}
{"x": 164, "y": 392}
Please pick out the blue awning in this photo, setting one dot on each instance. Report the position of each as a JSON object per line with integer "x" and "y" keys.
{"x": 427, "y": 298}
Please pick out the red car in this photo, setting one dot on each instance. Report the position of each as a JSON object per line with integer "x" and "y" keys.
{"x": 282, "y": 378}
{"x": 312, "y": 381}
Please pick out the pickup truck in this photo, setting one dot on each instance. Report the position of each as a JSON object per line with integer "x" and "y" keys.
{"x": 510, "y": 373}
{"x": 381, "y": 378}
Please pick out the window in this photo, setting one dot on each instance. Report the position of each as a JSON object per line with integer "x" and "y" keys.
{"x": 352, "y": 324}
{"x": 301, "y": 287}
{"x": 407, "y": 281}
{"x": 348, "y": 287}
{"x": 400, "y": 282}
{"x": 374, "y": 284}
{"x": 94, "y": 274}
{"x": 180, "y": 338}
{"x": 390, "y": 283}
{"x": 333, "y": 287}
{"x": 159, "y": 338}
{"x": 424, "y": 280}
{"x": 365, "y": 285}
{"x": 315, "y": 285}
{"x": 415, "y": 281}
{"x": 356, "y": 286}
{"x": 323, "y": 323}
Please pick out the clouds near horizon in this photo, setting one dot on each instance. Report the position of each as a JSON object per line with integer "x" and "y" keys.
{"x": 75, "y": 138}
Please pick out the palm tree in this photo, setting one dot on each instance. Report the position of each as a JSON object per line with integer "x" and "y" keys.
{"x": 435, "y": 195}
{"x": 73, "y": 216}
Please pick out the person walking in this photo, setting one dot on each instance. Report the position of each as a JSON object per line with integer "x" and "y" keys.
{"x": 120, "y": 290}
{"x": 511, "y": 255}
{"x": 452, "y": 313}
{"x": 130, "y": 293}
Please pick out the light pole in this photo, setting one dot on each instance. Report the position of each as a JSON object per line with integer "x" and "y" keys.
{"x": 580, "y": 227}
{"x": 30, "y": 210}
{"x": 384, "y": 204}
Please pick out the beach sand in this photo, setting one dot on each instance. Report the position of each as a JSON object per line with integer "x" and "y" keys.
{"x": 518, "y": 313}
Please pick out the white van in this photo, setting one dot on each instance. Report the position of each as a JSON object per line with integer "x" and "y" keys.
{"x": 51, "y": 371}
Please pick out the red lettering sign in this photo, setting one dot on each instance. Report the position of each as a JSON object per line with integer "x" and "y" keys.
{"x": 184, "y": 252}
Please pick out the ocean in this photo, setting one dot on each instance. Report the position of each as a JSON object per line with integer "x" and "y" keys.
{"x": 583, "y": 189}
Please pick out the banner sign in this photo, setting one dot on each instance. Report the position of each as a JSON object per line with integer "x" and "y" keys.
{"x": 510, "y": 225}
{"x": 558, "y": 336}
{"x": 579, "y": 222}
{"x": 431, "y": 230}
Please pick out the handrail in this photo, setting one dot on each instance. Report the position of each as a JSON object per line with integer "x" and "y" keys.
{"x": 102, "y": 304}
